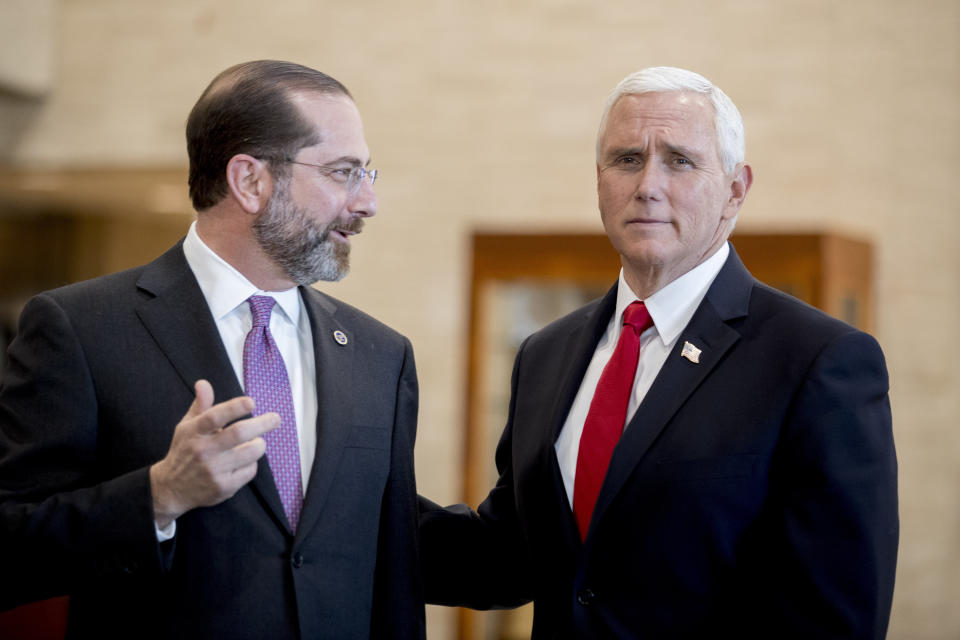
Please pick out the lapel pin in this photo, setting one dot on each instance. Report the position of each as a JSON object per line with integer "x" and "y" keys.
{"x": 691, "y": 353}
{"x": 340, "y": 337}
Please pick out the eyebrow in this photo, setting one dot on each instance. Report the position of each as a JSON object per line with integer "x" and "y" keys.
{"x": 625, "y": 151}
{"x": 674, "y": 149}
{"x": 352, "y": 160}
{"x": 682, "y": 150}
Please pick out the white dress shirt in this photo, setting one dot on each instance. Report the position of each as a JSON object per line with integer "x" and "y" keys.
{"x": 226, "y": 291}
{"x": 671, "y": 309}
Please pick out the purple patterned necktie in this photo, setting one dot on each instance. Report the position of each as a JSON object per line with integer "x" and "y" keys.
{"x": 265, "y": 378}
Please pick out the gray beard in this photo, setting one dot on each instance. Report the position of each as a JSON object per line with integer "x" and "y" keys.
{"x": 300, "y": 247}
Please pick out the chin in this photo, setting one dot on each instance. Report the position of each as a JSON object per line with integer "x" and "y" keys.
{"x": 649, "y": 253}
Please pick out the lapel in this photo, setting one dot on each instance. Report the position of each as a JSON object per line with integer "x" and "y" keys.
{"x": 179, "y": 320}
{"x": 727, "y": 298}
{"x": 578, "y": 346}
{"x": 177, "y": 317}
{"x": 335, "y": 391}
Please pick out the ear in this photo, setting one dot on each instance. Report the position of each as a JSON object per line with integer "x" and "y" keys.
{"x": 739, "y": 186}
{"x": 249, "y": 181}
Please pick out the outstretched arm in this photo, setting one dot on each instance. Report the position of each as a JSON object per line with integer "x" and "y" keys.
{"x": 478, "y": 559}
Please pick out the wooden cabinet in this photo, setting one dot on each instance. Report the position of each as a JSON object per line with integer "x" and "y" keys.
{"x": 831, "y": 272}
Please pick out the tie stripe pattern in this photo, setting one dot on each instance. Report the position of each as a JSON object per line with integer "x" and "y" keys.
{"x": 266, "y": 381}
{"x": 607, "y": 415}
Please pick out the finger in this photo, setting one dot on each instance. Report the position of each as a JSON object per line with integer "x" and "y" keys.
{"x": 228, "y": 482}
{"x": 220, "y": 415}
{"x": 248, "y": 429}
{"x": 202, "y": 399}
{"x": 246, "y": 453}
{"x": 236, "y": 461}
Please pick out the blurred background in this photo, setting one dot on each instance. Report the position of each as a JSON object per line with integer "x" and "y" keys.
{"x": 482, "y": 118}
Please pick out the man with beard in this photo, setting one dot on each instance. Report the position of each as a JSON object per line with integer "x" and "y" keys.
{"x": 287, "y": 509}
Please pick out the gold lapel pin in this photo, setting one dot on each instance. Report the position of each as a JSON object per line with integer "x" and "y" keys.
{"x": 340, "y": 337}
{"x": 691, "y": 353}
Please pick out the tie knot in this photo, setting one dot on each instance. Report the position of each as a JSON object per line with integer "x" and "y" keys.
{"x": 637, "y": 316}
{"x": 261, "y": 307}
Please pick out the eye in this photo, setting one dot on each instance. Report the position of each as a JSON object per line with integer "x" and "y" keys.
{"x": 343, "y": 174}
{"x": 627, "y": 162}
{"x": 681, "y": 162}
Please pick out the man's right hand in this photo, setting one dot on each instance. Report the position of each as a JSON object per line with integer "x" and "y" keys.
{"x": 207, "y": 464}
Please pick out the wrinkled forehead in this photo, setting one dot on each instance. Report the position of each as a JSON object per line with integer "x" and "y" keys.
{"x": 682, "y": 117}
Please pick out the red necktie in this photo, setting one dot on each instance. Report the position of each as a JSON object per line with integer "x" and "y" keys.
{"x": 607, "y": 415}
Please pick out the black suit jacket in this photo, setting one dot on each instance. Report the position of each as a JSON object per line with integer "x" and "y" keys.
{"x": 753, "y": 495}
{"x": 99, "y": 375}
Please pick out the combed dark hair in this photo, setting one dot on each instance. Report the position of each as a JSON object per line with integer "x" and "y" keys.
{"x": 247, "y": 109}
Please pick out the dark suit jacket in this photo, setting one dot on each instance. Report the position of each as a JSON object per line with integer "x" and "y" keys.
{"x": 99, "y": 375}
{"x": 753, "y": 495}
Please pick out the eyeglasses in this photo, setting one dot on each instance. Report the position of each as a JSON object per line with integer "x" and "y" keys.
{"x": 350, "y": 177}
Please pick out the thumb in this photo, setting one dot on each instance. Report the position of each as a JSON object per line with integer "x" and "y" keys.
{"x": 203, "y": 399}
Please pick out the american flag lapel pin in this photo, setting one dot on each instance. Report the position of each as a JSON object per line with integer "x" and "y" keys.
{"x": 690, "y": 352}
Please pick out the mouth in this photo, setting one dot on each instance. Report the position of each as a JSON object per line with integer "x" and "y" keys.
{"x": 646, "y": 221}
{"x": 341, "y": 234}
{"x": 344, "y": 233}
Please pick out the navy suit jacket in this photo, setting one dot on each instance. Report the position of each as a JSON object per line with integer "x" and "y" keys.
{"x": 752, "y": 495}
{"x": 99, "y": 375}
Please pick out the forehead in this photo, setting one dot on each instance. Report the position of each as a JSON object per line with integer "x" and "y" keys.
{"x": 337, "y": 122}
{"x": 675, "y": 116}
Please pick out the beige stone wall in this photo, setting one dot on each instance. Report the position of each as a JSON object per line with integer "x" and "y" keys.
{"x": 481, "y": 115}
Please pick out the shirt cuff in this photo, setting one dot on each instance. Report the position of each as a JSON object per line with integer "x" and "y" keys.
{"x": 166, "y": 533}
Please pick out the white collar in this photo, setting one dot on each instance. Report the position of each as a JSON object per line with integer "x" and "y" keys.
{"x": 224, "y": 287}
{"x": 673, "y": 306}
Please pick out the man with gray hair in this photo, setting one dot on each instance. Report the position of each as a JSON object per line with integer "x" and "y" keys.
{"x": 696, "y": 454}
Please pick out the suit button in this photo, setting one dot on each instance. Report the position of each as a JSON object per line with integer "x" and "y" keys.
{"x": 586, "y": 597}
{"x": 296, "y": 560}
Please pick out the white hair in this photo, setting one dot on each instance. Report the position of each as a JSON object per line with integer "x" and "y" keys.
{"x": 726, "y": 117}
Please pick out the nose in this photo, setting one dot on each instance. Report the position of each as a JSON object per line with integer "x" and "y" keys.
{"x": 363, "y": 203}
{"x": 650, "y": 180}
